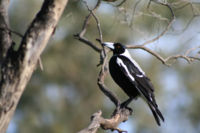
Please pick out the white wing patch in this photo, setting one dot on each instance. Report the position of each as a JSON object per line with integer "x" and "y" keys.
{"x": 120, "y": 63}
{"x": 140, "y": 76}
{"x": 127, "y": 54}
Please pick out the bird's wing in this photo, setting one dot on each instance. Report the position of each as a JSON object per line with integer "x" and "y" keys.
{"x": 141, "y": 82}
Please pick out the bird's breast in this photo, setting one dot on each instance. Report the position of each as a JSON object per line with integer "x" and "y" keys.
{"x": 121, "y": 78}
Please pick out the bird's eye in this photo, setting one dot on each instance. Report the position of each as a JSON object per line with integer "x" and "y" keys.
{"x": 118, "y": 47}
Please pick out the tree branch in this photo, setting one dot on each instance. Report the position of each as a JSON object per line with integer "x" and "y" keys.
{"x": 98, "y": 121}
{"x": 165, "y": 61}
{"x": 103, "y": 55}
{"x": 80, "y": 35}
{"x": 102, "y": 86}
{"x": 19, "y": 65}
{"x": 168, "y": 26}
{"x": 120, "y": 114}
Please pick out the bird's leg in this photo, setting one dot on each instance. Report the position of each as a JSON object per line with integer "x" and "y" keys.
{"x": 118, "y": 107}
{"x": 121, "y": 106}
{"x": 125, "y": 104}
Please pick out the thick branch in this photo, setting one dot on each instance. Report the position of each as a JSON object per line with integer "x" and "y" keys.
{"x": 98, "y": 121}
{"x": 19, "y": 65}
{"x": 5, "y": 38}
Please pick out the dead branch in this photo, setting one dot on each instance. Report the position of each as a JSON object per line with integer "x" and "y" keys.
{"x": 168, "y": 26}
{"x": 94, "y": 125}
{"x": 103, "y": 57}
{"x": 12, "y": 31}
{"x": 98, "y": 26}
{"x": 120, "y": 114}
{"x": 98, "y": 121}
{"x": 194, "y": 14}
{"x": 87, "y": 42}
{"x": 116, "y": 1}
{"x": 80, "y": 35}
{"x": 173, "y": 58}
{"x": 103, "y": 52}
{"x": 133, "y": 13}
{"x": 102, "y": 86}
{"x": 121, "y": 3}
{"x": 147, "y": 50}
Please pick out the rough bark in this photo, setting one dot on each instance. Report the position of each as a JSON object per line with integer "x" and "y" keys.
{"x": 19, "y": 65}
{"x": 5, "y": 38}
{"x": 119, "y": 115}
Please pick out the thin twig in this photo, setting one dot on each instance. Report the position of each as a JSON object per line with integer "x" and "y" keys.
{"x": 194, "y": 14}
{"x": 11, "y": 31}
{"x": 165, "y": 61}
{"x": 98, "y": 26}
{"x": 147, "y": 50}
{"x": 97, "y": 5}
{"x": 103, "y": 53}
{"x": 100, "y": 82}
{"x": 16, "y": 33}
{"x": 116, "y": 5}
{"x": 190, "y": 50}
{"x": 121, "y": 3}
{"x": 85, "y": 24}
{"x": 168, "y": 26}
{"x": 80, "y": 36}
{"x": 133, "y": 13}
{"x": 40, "y": 64}
{"x": 86, "y": 41}
{"x": 119, "y": 115}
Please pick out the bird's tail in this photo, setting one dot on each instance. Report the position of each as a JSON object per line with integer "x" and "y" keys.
{"x": 156, "y": 113}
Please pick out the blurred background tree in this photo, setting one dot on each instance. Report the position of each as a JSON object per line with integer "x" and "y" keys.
{"x": 62, "y": 97}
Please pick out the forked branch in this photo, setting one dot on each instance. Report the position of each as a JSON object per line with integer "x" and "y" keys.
{"x": 102, "y": 51}
{"x": 120, "y": 114}
{"x": 172, "y": 58}
{"x": 98, "y": 121}
{"x": 80, "y": 35}
{"x": 169, "y": 24}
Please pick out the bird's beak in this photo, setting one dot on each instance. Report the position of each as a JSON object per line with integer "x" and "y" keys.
{"x": 109, "y": 45}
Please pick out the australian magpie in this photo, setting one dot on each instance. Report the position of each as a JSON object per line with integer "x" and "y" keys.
{"x": 131, "y": 78}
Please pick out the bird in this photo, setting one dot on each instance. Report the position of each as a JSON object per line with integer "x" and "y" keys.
{"x": 129, "y": 76}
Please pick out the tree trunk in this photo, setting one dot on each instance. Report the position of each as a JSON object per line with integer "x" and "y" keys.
{"x": 5, "y": 38}
{"x": 19, "y": 65}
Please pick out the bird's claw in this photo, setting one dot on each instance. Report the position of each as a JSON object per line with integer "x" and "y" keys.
{"x": 123, "y": 106}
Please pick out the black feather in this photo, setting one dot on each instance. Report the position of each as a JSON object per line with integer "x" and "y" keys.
{"x": 155, "y": 114}
{"x": 129, "y": 76}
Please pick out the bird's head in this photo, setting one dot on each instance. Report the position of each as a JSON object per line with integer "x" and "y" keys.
{"x": 117, "y": 48}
